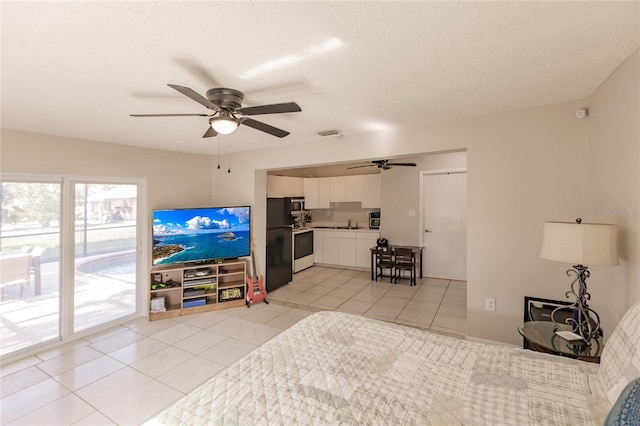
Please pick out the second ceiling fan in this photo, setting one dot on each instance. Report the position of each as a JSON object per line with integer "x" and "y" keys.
{"x": 383, "y": 165}
{"x": 228, "y": 112}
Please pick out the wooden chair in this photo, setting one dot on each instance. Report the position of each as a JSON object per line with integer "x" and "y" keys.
{"x": 405, "y": 260}
{"x": 384, "y": 260}
{"x": 16, "y": 270}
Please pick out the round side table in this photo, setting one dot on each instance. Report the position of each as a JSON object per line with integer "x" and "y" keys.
{"x": 542, "y": 338}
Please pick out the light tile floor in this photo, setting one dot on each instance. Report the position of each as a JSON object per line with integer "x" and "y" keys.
{"x": 131, "y": 372}
{"x": 434, "y": 304}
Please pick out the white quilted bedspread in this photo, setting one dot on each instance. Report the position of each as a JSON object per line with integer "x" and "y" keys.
{"x": 335, "y": 368}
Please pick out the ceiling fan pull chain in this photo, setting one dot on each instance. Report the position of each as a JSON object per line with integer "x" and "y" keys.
{"x": 218, "y": 151}
{"x": 229, "y": 158}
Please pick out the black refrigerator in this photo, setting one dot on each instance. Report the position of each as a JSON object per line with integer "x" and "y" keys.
{"x": 279, "y": 255}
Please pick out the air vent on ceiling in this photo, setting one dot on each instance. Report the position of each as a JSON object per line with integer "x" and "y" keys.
{"x": 332, "y": 132}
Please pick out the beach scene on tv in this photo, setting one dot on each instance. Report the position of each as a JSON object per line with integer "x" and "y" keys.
{"x": 189, "y": 235}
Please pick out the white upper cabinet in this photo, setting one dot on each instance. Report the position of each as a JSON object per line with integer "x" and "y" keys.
{"x": 316, "y": 193}
{"x": 319, "y": 192}
{"x": 371, "y": 195}
{"x": 337, "y": 191}
{"x": 363, "y": 188}
{"x": 310, "y": 190}
{"x": 355, "y": 187}
{"x": 284, "y": 186}
{"x": 324, "y": 192}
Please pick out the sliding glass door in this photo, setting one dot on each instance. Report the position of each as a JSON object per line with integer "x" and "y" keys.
{"x": 30, "y": 235}
{"x": 68, "y": 251}
{"x": 104, "y": 253}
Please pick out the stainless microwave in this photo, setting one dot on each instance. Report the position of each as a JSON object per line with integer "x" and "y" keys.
{"x": 297, "y": 204}
{"x": 374, "y": 220}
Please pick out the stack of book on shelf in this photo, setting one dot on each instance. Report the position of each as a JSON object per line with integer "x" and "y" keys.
{"x": 157, "y": 305}
{"x": 192, "y": 303}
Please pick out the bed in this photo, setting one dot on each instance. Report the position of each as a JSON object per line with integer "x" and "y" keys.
{"x": 337, "y": 368}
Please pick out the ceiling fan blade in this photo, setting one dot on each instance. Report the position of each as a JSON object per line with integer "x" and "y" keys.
{"x": 168, "y": 115}
{"x": 258, "y": 125}
{"x": 280, "y": 88}
{"x": 190, "y": 93}
{"x": 357, "y": 167}
{"x": 271, "y": 109}
{"x": 199, "y": 71}
{"x": 210, "y": 133}
{"x": 401, "y": 164}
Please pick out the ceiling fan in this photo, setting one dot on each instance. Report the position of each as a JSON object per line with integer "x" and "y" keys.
{"x": 383, "y": 164}
{"x": 227, "y": 112}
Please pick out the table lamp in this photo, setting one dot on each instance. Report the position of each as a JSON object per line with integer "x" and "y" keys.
{"x": 580, "y": 244}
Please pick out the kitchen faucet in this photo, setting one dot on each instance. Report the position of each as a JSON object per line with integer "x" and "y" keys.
{"x": 349, "y": 224}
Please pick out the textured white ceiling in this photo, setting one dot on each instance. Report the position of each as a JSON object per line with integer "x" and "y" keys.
{"x": 78, "y": 69}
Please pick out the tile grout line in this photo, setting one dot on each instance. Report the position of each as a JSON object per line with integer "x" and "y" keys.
{"x": 439, "y": 304}
{"x": 361, "y": 279}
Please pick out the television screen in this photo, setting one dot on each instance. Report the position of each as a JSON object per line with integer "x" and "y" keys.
{"x": 198, "y": 234}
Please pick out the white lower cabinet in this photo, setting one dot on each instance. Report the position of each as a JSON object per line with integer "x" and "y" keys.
{"x": 318, "y": 251}
{"x": 344, "y": 248}
{"x": 364, "y": 242}
{"x": 347, "y": 252}
{"x": 330, "y": 249}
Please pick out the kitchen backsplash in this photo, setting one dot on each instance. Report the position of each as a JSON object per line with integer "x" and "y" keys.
{"x": 340, "y": 213}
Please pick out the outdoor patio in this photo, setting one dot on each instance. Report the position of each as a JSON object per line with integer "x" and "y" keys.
{"x": 102, "y": 293}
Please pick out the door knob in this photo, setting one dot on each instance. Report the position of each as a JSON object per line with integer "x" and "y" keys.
{"x": 427, "y": 231}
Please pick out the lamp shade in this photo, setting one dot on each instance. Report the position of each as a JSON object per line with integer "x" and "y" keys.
{"x": 580, "y": 243}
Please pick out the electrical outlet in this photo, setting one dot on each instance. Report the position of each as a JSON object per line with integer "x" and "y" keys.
{"x": 490, "y": 304}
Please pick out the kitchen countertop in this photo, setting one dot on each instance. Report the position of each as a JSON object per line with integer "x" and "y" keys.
{"x": 333, "y": 228}
{"x": 304, "y": 229}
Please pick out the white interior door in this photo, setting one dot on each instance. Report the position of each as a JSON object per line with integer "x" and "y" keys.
{"x": 444, "y": 223}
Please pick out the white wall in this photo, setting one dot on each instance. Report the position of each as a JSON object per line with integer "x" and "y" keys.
{"x": 397, "y": 226}
{"x": 614, "y": 185}
{"x": 524, "y": 167}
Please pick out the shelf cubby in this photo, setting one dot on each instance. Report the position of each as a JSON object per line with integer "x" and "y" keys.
{"x": 184, "y": 287}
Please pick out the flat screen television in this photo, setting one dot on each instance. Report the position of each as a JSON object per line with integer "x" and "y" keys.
{"x": 201, "y": 234}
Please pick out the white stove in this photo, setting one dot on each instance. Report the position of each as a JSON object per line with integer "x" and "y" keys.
{"x": 302, "y": 248}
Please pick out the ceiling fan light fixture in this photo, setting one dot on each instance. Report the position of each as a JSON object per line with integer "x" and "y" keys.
{"x": 224, "y": 124}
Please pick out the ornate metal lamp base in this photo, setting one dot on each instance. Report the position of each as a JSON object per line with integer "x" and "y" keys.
{"x": 585, "y": 321}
